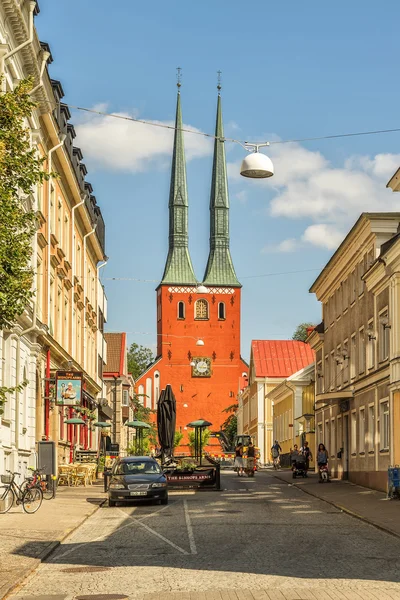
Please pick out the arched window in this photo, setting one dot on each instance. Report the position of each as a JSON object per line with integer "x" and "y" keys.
{"x": 149, "y": 393}
{"x": 221, "y": 310}
{"x": 201, "y": 309}
{"x": 181, "y": 310}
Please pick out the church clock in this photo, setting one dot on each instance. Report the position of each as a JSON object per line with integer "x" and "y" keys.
{"x": 202, "y": 367}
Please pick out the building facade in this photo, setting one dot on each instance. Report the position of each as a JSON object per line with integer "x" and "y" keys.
{"x": 198, "y": 328}
{"x": 119, "y": 388}
{"x": 271, "y": 362}
{"x": 357, "y": 351}
{"x": 62, "y": 327}
{"x": 293, "y": 412}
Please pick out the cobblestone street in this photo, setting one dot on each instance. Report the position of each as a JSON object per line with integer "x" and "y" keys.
{"x": 258, "y": 538}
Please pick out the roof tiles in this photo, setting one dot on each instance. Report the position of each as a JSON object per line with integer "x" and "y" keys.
{"x": 116, "y": 348}
{"x": 280, "y": 358}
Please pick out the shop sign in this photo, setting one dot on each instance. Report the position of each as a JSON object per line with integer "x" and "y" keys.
{"x": 69, "y": 388}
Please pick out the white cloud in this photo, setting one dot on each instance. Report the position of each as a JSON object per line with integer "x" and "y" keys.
{"x": 242, "y": 196}
{"x": 286, "y": 246}
{"x": 121, "y": 145}
{"x": 307, "y": 186}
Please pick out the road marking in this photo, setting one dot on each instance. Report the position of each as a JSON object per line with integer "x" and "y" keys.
{"x": 192, "y": 543}
{"x": 166, "y": 540}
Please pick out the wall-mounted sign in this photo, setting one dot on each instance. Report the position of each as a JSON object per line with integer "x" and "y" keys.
{"x": 69, "y": 388}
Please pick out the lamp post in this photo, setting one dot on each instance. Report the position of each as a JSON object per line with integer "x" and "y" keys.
{"x": 256, "y": 165}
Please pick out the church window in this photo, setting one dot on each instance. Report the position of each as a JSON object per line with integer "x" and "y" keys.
{"x": 221, "y": 311}
{"x": 201, "y": 310}
{"x": 181, "y": 310}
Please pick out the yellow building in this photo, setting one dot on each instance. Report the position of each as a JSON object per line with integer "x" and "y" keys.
{"x": 293, "y": 412}
{"x": 62, "y": 329}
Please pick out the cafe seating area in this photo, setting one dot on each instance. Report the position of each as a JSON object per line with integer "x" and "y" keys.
{"x": 77, "y": 474}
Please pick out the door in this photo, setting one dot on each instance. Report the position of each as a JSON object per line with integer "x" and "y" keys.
{"x": 345, "y": 453}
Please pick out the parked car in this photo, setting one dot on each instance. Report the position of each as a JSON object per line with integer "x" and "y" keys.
{"x": 137, "y": 478}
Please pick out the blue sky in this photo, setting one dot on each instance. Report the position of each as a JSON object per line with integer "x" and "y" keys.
{"x": 290, "y": 70}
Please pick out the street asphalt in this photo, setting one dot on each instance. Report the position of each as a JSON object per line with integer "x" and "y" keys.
{"x": 258, "y": 538}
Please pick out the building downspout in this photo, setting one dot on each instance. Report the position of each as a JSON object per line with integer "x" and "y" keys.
{"x": 73, "y": 271}
{"x": 6, "y": 55}
{"x": 84, "y": 295}
{"x": 115, "y": 411}
{"x": 49, "y": 161}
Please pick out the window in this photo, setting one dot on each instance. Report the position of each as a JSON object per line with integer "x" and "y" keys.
{"x": 384, "y": 426}
{"x": 339, "y": 366}
{"x": 99, "y": 366}
{"x": 353, "y": 441}
{"x": 361, "y": 351}
{"x": 181, "y": 310}
{"x": 320, "y": 378}
{"x": 326, "y": 436}
{"x": 333, "y": 437}
{"x": 353, "y": 356}
{"x": 339, "y": 433}
{"x": 371, "y": 346}
{"x": 361, "y": 431}
{"x": 345, "y": 355}
{"x": 326, "y": 373}
{"x": 352, "y": 287}
{"x": 52, "y": 210}
{"x": 60, "y": 223}
{"x": 345, "y": 297}
{"x": 371, "y": 428}
{"x": 384, "y": 336}
{"x": 201, "y": 309}
{"x": 339, "y": 301}
{"x": 320, "y": 436}
{"x": 332, "y": 309}
{"x": 221, "y": 310}
{"x": 360, "y": 273}
{"x": 332, "y": 370}
{"x": 6, "y": 375}
{"x": 66, "y": 236}
{"x": 78, "y": 266}
{"x": 125, "y": 398}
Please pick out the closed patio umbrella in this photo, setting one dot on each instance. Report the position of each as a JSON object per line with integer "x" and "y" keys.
{"x": 166, "y": 420}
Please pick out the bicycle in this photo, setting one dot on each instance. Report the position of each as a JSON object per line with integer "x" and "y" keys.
{"x": 31, "y": 498}
{"x": 48, "y": 487}
{"x": 276, "y": 463}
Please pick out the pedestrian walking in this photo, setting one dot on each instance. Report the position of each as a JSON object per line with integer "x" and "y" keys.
{"x": 322, "y": 460}
{"x": 275, "y": 454}
{"x": 239, "y": 459}
{"x": 305, "y": 450}
{"x": 293, "y": 455}
{"x": 251, "y": 458}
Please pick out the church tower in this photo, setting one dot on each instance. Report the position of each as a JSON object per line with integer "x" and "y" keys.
{"x": 198, "y": 328}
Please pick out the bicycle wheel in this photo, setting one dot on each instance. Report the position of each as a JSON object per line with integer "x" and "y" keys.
{"x": 49, "y": 489}
{"x": 6, "y": 499}
{"x": 32, "y": 500}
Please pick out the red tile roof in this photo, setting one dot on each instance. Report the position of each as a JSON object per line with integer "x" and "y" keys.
{"x": 116, "y": 347}
{"x": 280, "y": 358}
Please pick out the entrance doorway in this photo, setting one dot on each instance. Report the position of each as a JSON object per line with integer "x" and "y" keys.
{"x": 345, "y": 453}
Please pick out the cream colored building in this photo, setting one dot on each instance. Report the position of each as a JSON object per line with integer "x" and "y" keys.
{"x": 271, "y": 361}
{"x": 358, "y": 351}
{"x": 293, "y": 412}
{"x": 63, "y": 326}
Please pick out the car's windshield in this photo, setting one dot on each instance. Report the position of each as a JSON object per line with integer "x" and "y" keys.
{"x": 145, "y": 467}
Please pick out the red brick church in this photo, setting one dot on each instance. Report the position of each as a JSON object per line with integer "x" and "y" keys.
{"x": 198, "y": 322}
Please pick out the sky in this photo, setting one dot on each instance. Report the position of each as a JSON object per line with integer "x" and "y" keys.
{"x": 290, "y": 70}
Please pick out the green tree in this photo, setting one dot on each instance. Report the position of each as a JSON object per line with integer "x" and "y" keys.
{"x": 177, "y": 438}
{"x": 300, "y": 333}
{"x": 205, "y": 436}
{"x": 139, "y": 358}
{"x": 229, "y": 426}
{"x": 20, "y": 170}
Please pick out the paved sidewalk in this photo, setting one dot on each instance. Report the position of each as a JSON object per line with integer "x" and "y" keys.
{"x": 369, "y": 505}
{"x": 40, "y": 533}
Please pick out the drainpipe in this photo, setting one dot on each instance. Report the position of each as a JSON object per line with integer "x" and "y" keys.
{"x": 45, "y": 58}
{"x": 6, "y": 55}
{"x": 103, "y": 264}
{"x": 84, "y": 294}
{"x": 115, "y": 411}
{"x": 49, "y": 161}
{"x": 73, "y": 271}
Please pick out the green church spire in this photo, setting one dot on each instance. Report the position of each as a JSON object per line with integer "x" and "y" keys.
{"x": 220, "y": 269}
{"x": 178, "y": 268}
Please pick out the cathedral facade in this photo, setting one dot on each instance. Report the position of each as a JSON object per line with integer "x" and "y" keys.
{"x": 198, "y": 322}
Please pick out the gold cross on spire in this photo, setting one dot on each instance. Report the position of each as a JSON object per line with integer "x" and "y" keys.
{"x": 219, "y": 86}
{"x": 178, "y": 77}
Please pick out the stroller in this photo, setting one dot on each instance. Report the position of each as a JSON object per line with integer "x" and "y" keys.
{"x": 299, "y": 466}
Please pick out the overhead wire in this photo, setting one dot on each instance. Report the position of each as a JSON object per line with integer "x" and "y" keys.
{"x": 227, "y": 139}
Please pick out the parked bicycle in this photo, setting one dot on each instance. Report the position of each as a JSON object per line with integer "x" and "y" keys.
{"x": 31, "y": 497}
{"x": 38, "y": 479}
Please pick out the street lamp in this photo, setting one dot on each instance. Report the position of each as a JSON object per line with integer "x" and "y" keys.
{"x": 256, "y": 165}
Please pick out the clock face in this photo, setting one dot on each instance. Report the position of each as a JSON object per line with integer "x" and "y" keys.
{"x": 202, "y": 367}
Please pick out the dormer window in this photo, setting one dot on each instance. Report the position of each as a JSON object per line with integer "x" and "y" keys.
{"x": 201, "y": 310}
{"x": 181, "y": 310}
{"x": 221, "y": 311}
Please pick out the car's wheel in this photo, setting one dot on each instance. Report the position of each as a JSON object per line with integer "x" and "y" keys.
{"x": 111, "y": 503}
{"x": 164, "y": 500}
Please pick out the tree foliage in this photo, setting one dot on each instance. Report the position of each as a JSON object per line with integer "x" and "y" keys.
{"x": 229, "y": 426}
{"x": 205, "y": 436}
{"x": 20, "y": 170}
{"x": 139, "y": 358}
{"x": 178, "y": 437}
{"x": 300, "y": 334}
